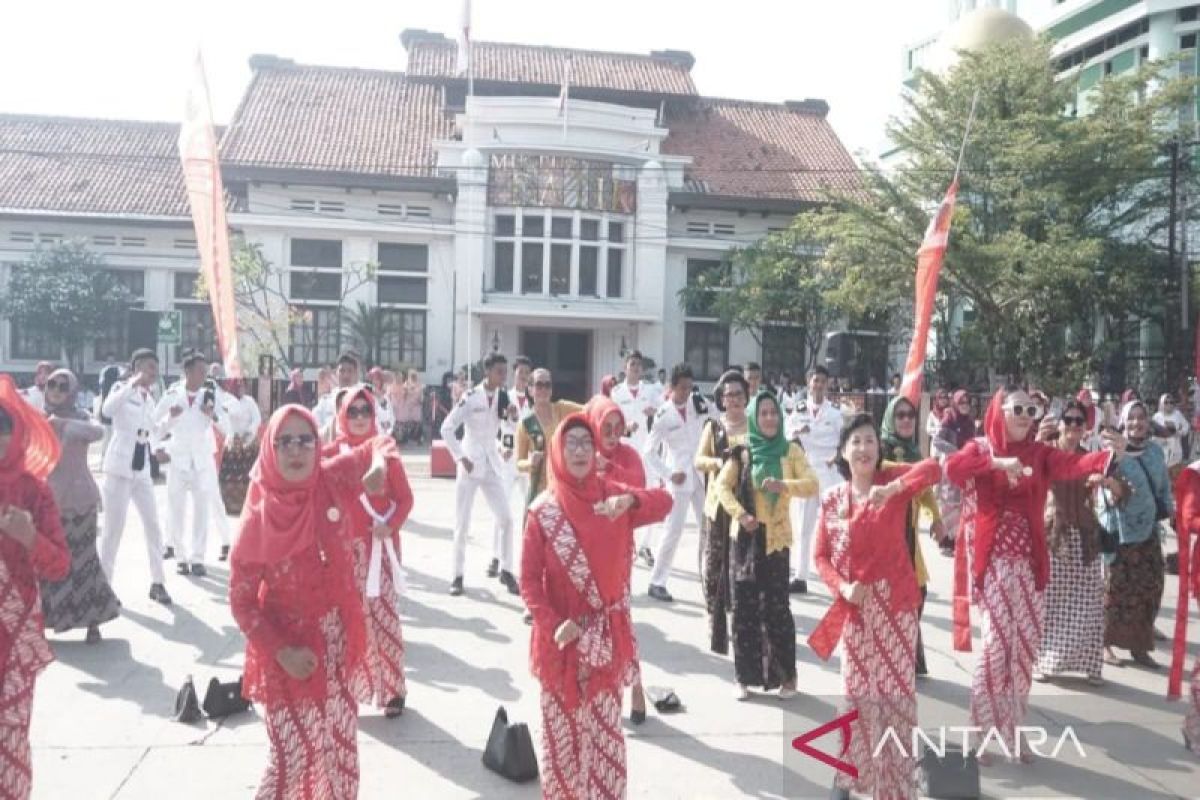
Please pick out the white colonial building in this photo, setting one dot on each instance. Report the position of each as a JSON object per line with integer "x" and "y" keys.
{"x": 500, "y": 220}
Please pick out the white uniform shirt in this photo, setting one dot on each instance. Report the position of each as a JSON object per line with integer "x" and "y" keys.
{"x": 673, "y": 441}
{"x": 191, "y": 444}
{"x": 241, "y": 417}
{"x": 633, "y": 403}
{"x": 1172, "y": 445}
{"x": 508, "y": 428}
{"x": 36, "y": 397}
{"x": 131, "y": 409}
{"x": 479, "y": 415}
{"x": 818, "y": 427}
{"x": 385, "y": 416}
{"x": 324, "y": 410}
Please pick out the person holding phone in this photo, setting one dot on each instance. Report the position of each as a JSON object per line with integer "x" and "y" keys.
{"x": 754, "y": 488}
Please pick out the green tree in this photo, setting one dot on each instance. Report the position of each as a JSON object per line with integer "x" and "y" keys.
{"x": 1060, "y": 223}
{"x": 781, "y": 279}
{"x": 368, "y": 328}
{"x": 64, "y": 296}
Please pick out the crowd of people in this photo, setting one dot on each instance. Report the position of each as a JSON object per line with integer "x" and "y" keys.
{"x": 1057, "y": 514}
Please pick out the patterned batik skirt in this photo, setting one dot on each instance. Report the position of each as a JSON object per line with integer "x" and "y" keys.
{"x": 764, "y": 631}
{"x": 235, "y": 474}
{"x": 85, "y": 597}
{"x": 314, "y": 745}
{"x": 583, "y": 749}
{"x": 878, "y": 651}
{"x": 383, "y": 660}
{"x": 28, "y": 656}
{"x": 1073, "y": 639}
{"x": 1133, "y": 595}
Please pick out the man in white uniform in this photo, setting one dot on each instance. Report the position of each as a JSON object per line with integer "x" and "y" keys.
{"x": 184, "y": 419}
{"x": 638, "y": 402}
{"x": 127, "y": 469}
{"x": 516, "y": 485}
{"x": 480, "y": 465}
{"x": 671, "y": 453}
{"x": 817, "y": 424}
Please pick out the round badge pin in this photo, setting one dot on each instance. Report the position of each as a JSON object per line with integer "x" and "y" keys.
{"x": 333, "y": 515}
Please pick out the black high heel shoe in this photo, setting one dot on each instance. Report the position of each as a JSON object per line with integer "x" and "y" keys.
{"x": 394, "y": 708}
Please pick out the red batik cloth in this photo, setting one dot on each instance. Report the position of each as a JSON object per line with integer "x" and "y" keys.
{"x": 987, "y": 494}
{"x": 1187, "y": 522}
{"x": 867, "y": 544}
{"x": 583, "y": 749}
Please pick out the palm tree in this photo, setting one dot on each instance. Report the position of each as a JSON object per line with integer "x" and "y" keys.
{"x": 369, "y": 327}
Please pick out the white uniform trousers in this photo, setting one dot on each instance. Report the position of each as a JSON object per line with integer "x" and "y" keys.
{"x": 482, "y": 479}
{"x": 516, "y": 487}
{"x": 118, "y": 492}
{"x": 205, "y": 492}
{"x": 682, "y": 501}
{"x": 804, "y": 523}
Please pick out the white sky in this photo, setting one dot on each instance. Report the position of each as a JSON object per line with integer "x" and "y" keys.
{"x": 130, "y": 58}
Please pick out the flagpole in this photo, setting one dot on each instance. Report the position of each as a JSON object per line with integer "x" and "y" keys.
{"x": 966, "y": 134}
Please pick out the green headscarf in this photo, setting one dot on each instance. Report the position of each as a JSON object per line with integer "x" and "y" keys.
{"x": 895, "y": 448}
{"x": 766, "y": 454}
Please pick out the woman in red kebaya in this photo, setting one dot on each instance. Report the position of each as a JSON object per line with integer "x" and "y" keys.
{"x": 1002, "y": 563}
{"x": 375, "y": 521}
{"x": 862, "y": 554}
{"x": 32, "y": 548}
{"x": 292, "y": 592}
{"x": 575, "y": 581}
{"x": 1187, "y": 525}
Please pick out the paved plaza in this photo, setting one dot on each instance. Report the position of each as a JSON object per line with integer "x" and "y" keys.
{"x": 102, "y": 726}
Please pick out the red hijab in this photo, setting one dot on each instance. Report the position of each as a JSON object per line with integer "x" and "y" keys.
{"x": 34, "y": 449}
{"x": 343, "y": 416}
{"x": 626, "y": 463}
{"x": 599, "y": 536}
{"x": 279, "y": 518}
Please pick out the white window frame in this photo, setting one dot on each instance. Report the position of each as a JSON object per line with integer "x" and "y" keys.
{"x": 602, "y": 243}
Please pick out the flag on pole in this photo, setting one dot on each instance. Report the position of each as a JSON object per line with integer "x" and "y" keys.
{"x": 206, "y": 195}
{"x": 463, "y": 66}
{"x": 565, "y": 92}
{"x": 929, "y": 266}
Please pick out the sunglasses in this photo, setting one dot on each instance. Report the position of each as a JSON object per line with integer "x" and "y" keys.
{"x": 905, "y": 415}
{"x": 581, "y": 444}
{"x": 359, "y": 412}
{"x": 305, "y": 441}
{"x": 59, "y": 385}
{"x": 1032, "y": 411}
{"x": 1077, "y": 422}
{"x": 543, "y": 385}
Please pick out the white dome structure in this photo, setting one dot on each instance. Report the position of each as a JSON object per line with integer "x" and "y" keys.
{"x": 975, "y": 31}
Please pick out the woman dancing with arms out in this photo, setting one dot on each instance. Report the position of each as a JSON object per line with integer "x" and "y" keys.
{"x": 575, "y": 581}
{"x": 755, "y": 488}
{"x": 1001, "y": 560}
{"x": 375, "y": 521}
{"x": 32, "y": 548}
{"x": 292, "y": 592}
{"x": 862, "y": 554}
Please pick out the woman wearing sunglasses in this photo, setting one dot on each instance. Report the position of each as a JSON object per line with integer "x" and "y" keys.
{"x": 375, "y": 521}
{"x": 1136, "y": 572}
{"x": 1073, "y": 635}
{"x": 898, "y": 434}
{"x": 1006, "y": 477}
{"x": 575, "y": 580}
{"x": 538, "y": 428}
{"x": 84, "y": 599}
{"x": 32, "y": 548}
{"x": 293, "y": 594}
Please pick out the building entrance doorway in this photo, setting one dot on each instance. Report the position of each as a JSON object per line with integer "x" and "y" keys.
{"x": 567, "y": 354}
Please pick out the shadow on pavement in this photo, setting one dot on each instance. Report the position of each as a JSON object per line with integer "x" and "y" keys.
{"x": 118, "y": 676}
{"x": 444, "y": 670}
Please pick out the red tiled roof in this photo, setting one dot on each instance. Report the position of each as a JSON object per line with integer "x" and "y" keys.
{"x": 535, "y": 64}
{"x": 336, "y": 119}
{"x": 96, "y": 166}
{"x": 759, "y": 150}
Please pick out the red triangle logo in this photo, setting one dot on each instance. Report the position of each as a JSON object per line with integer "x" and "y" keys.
{"x": 843, "y": 722}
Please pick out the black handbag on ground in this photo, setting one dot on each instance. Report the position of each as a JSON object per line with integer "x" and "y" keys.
{"x": 509, "y": 750}
{"x": 187, "y": 704}
{"x": 224, "y": 699}
{"x": 953, "y": 776}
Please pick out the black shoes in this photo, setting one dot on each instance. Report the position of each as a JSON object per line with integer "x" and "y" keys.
{"x": 493, "y": 568}
{"x": 168, "y": 553}
{"x": 224, "y": 553}
{"x": 456, "y": 587}
{"x": 646, "y": 556}
{"x": 182, "y": 568}
{"x": 528, "y": 617}
{"x": 637, "y": 716}
{"x": 158, "y": 593}
{"x": 509, "y": 582}
{"x": 394, "y": 708}
{"x": 660, "y": 593}
{"x": 199, "y": 570}
{"x": 798, "y": 586}
{"x": 93, "y": 634}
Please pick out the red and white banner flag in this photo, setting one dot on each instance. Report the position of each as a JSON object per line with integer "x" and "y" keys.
{"x": 463, "y": 66}
{"x": 202, "y": 176}
{"x": 929, "y": 266}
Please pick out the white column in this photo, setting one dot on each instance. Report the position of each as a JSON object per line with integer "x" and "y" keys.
{"x": 470, "y": 254}
{"x": 648, "y": 274}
